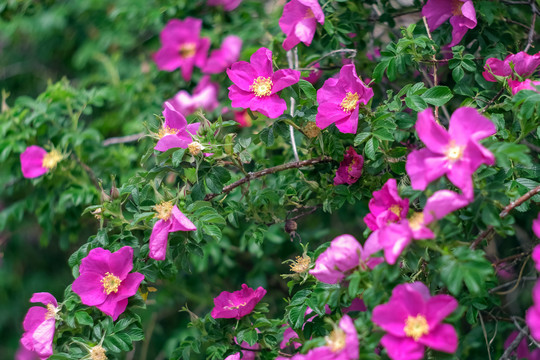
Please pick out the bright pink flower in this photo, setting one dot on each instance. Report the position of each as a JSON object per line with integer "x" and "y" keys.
{"x": 395, "y": 237}
{"x": 522, "y": 351}
{"x": 237, "y": 304}
{"x": 356, "y": 305}
{"x": 105, "y": 280}
{"x": 536, "y": 251}
{"x": 314, "y": 75}
{"x": 343, "y": 255}
{"x": 176, "y": 133}
{"x": 255, "y": 84}
{"x": 460, "y": 12}
{"x": 524, "y": 65}
{"x": 171, "y": 219}
{"x": 36, "y": 161}
{"x": 456, "y": 152}
{"x": 386, "y": 206}
{"x": 350, "y": 168}
{"x": 225, "y": 56}
{"x": 299, "y": 22}
{"x": 242, "y": 118}
{"x": 182, "y": 47}
{"x": 39, "y": 325}
{"x": 25, "y": 354}
{"x": 339, "y": 100}
{"x": 204, "y": 97}
{"x": 412, "y": 319}
{"x": 533, "y": 313}
{"x": 289, "y": 333}
{"x": 228, "y": 5}
{"x": 528, "y": 84}
{"x": 245, "y": 354}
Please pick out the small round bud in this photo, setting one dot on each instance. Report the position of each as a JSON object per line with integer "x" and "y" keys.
{"x": 291, "y": 226}
{"x": 195, "y": 148}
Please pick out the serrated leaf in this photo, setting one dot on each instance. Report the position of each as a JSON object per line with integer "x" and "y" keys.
{"x": 308, "y": 89}
{"x": 371, "y": 148}
{"x": 416, "y": 103}
{"x": 83, "y": 318}
{"x": 437, "y": 96}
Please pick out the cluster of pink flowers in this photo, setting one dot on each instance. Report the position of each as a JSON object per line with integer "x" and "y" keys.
{"x": 515, "y": 69}
{"x": 461, "y": 13}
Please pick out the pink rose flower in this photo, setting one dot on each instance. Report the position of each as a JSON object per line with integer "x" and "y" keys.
{"x": 289, "y": 333}
{"x": 532, "y": 316}
{"x": 105, "y": 280}
{"x": 237, "y": 304}
{"x": 228, "y": 5}
{"x": 182, "y": 47}
{"x": 339, "y": 100}
{"x": 522, "y": 351}
{"x": 343, "y": 255}
{"x": 176, "y": 133}
{"x": 536, "y": 251}
{"x": 386, "y": 206}
{"x": 39, "y": 325}
{"x": 460, "y": 12}
{"x": 225, "y": 56}
{"x": 36, "y": 161}
{"x": 528, "y": 84}
{"x": 299, "y": 22}
{"x": 255, "y": 84}
{"x": 412, "y": 319}
{"x": 455, "y": 153}
{"x": 204, "y": 97}
{"x": 350, "y": 168}
{"x": 170, "y": 220}
{"x": 314, "y": 75}
{"x": 242, "y": 118}
{"x": 245, "y": 354}
{"x": 524, "y": 65}
{"x": 25, "y": 354}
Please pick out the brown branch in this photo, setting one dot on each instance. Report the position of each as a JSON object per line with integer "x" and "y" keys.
{"x": 89, "y": 172}
{"x": 122, "y": 139}
{"x": 518, "y": 202}
{"x": 254, "y": 175}
{"x": 353, "y": 51}
{"x": 492, "y": 100}
{"x": 530, "y": 38}
{"x": 507, "y": 355}
{"x": 484, "y": 234}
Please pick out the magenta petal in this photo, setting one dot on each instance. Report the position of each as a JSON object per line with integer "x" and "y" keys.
{"x": 533, "y": 321}
{"x": 284, "y": 78}
{"x": 416, "y": 168}
{"x": 171, "y": 142}
{"x": 441, "y": 338}
{"x": 203, "y": 46}
{"x": 261, "y": 61}
{"x": 43, "y": 337}
{"x": 180, "y": 222}
{"x": 173, "y": 118}
{"x": 391, "y": 317}
{"x": 460, "y": 26}
{"x": 271, "y": 106}
{"x": 349, "y": 124}
{"x": 439, "y": 307}
{"x": 466, "y": 123}
{"x": 121, "y": 262}
{"x": 461, "y": 176}
{"x": 240, "y": 98}
{"x": 536, "y": 257}
{"x": 536, "y": 226}
{"x": 34, "y": 317}
{"x": 168, "y": 59}
{"x": 97, "y": 261}
{"x": 329, "y": 113}
{"x": 242, "y": 74}
{"x": 187, "y": 68}
{"x": 158, "y": 239}
{"x": 437, "y": 12}
{"x": 32, "y": 162}
{"x": 88, "y": 286}
{"x": 432, "y": 134}
{"x": 402, "y": 348}
{"x": 305, "y": 30}
{"x": 290, "y": 42}
{"x": 129, "y": 286}
{"x": 442, "y": 203}
{"x": 113, "y": 308}
{"x": 193, "y": 129}
{"x": 45, "y": 298}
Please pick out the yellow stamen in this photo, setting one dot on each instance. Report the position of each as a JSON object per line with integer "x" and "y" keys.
{"x": 195, "y": 148}
{"x": 164, "y": 131}
{"x": 262, "y": 86}
{"x": 336, "y": 340}
{"x": 51, "y": 159}
{"x": 396, "y": 209}
{"x": 164, "y": 210}
{"x": 110, "y": 283}
{"x": 235, "y": 307}
{"x": 51, "y": 311}
{"x": 349, "y": 102}
{"x": 416, "y": 221}
{"x": 309, "y": 14}
{"x": 188, "y": 50}
{"x": 416, "y": 327}
{"x": 454, "y": 152}
{"x": 98, "y": 353}
{"x": 456, "y": 7}
{"x": 301, "y": 264}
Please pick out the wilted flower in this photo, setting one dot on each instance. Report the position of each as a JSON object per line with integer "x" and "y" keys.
{"x": 36, "y": 161}
{"x": 182, "y": 47}
{"x": 343, "y": 255}
{"x": 105, "y": 280}
{"x": 528, "y": 84}
{"x": 98, "y": 353}
{"x": 171, "y": 219}
{"x": 299, "y": 22}
{"x": 350, "y": 168}
{"x": 237, "y": 304}
{"x": 255, "y": 84}
{"x": 228, "y": 5}
{"x": 386, "y": 206}
{"x": 176, "y": 132}
{"x": 514, "y": 66}
{"x": 412, "y": 319}
{"x": 460, "y": 12}
{"x": 205, "y": 96}
{"x": 456, "y": 152}
{"x": 39, "y": 326}
{"x": 311, "y": 130}
{"x": 225, "y": 56}
{"x": 339, "y": 100}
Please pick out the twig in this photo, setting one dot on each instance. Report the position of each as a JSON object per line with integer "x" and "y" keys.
{"x": 519, "y": 201}
{"x": 492, "y": 100}
{"x": 122, "y": 139}
{"x": 254, "y": 175}
{"x": 89, "y": 172}
{"x": 524, "y": 330}
{"x": 292, "y": 55}
{"x": 513, "y": 257}
{"x": 518, "y": 280}
{"x": 531, "y": 30}
{"x": 485, "y": 334}
{"x": 507, "y": 355}
{"x": 502, "y": 286}
{"x": 435, "y": 80}
{"x": 353, "y": 51}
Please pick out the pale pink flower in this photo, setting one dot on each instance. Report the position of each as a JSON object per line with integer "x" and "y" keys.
{"x": 205, "y": 97}
{"x": 36, "y": 161}
{"x": 171, "y": 219}
{"x": 105, "y": 280}
{"x": 339, "y": 100}
{"x": 523, "y": 65}
{"x": 386, "y": 206}
{"x": 225, "y": 56}
{"x": 176, "y": 132}
{"x": 299, "y": 22}
{"x": 182, "y": 47}
{"x": 39, "y": 326}
{"x": 237, "y": 304}
{"x": 228, "y": 5}
{"x": 255, "y": 84}
{"x": 460, "y": 12}
{"x": 455, "y": 153}
{"x": 412, "y": 319}
{"x": 350, "y": 168}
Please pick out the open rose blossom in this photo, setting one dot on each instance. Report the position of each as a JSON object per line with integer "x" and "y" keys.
{"x": 299, "y": 22}
{"x": 171, "y": 219}
{"x": 455, "y": 153}
{"x": 339, "y": 100}
{"x": 536, "y": 251}
{"x": 182, "y": 47}
{"x": 528, "y": 84}
{"x": 350, "y": 168}
{"x": 39, "y": 325}
{"x": 225, "y": 56}
{"x": 105, "y": 280}
{"x": 343, "y": 255}
{"x": 412, "y": 320}
{"x": 386, "y": 206}
{"x": 237, "y": 304}
{"x": 523, "y": 64}
{"x": 228, "y": 5}
{"x": 36, "y": 161}
{"x": 255, "y": 84}
{"x": 176, "y": 133}
{"x": 204, "y": 97}
{"x": 460, "y": 12}
{"x": 533, "y": 313}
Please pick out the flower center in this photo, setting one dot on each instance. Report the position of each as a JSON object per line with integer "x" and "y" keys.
{"x": 416, "y": 327}
{"x": 110, "y": 283}
{"x": 234, "y": 307}
{"x": 349, "y": 102}
{"x": 336, "y": 340}
{"x": 309, "y": 14}
{"x": 396, "y": 209}
{"x": 195, "y": 148}
{"x": 98, "y": 353}
{"x": 164, "y": 131}
{"x": 301, "y": 264}
{"x": 51, "y": 159}
{"x": 262, "y": 86}
{"x": 188, "y": 50}
{"x": 416, "y": 221}
{"x": 456, "y": 7}
{"x": 51, "y": 312}
{"x": 164, "y": 210}
{"x": 454, "y": 152}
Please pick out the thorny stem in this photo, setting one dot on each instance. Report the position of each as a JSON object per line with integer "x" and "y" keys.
{"x": 123, "y": 139}
{"x": 492, "y": 100}
{"x": 530, "y": 38}
{"x": 435, "y": 80}
{"x": 292, "y": 59}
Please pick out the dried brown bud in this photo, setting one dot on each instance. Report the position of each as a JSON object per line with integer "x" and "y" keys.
{"x": 195, "y": 148}
{"x": 290, "y": 226}
{"x": 311, "y": 130}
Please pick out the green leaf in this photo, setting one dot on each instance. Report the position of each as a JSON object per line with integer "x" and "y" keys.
{"x": 458, "y": 73}
{"x": 416, "y": 103}
{"x": 371, "y": 147}
{"x": 308, "y": 89}
{"x": 83, "y": 318}
{"x": 437, "y": 96}
{"x": 267, "y": 136}
{"x": 360, "y": 138}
